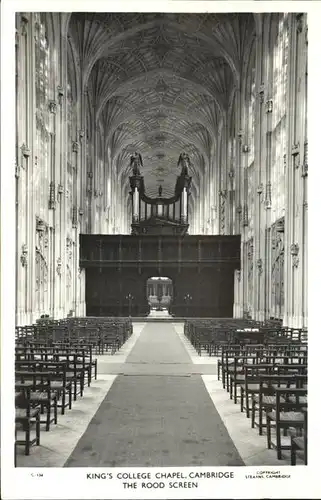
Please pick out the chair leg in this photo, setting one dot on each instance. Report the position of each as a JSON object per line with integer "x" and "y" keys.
{"x": 235, "y": 392}
{"x": 261, "y": 420}
{"x": 27, "y": 443}
{"x": 55, "y": 410}
{"x": 38, "y": 430}
{"x": 247, "y": 404}
{"x": 75, "y": 389}
{"x": 82, "y": 383}
{"x": 253, "y": 413}
{"x": 70, "y": 396}
{"x": 278, "y": 441}
{"x": 293, "y": 453}
{"x": 63, "y": 401}
{"x": 268, "y": 432}
{"x": 48, "y": 415}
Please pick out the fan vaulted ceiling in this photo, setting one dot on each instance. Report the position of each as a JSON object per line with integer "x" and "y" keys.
{"x": 160, "y": 84}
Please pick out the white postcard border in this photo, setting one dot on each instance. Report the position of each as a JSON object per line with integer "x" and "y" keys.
{"x": 54, "y": 483}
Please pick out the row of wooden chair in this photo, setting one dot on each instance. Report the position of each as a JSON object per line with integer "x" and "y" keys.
{"x": 104, "y": 334}
{"x": 211, "y": 335}
{"x": 270, "y": 384}
{"x": 263, "y": 367}
{"x": 47, "y": 378}
{"x": 50, "y": 373}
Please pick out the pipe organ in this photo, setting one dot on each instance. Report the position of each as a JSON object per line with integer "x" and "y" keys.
{"x": 160, "y": 215}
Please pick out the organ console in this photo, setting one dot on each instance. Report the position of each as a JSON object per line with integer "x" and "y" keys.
{"x": 160, "y": 215}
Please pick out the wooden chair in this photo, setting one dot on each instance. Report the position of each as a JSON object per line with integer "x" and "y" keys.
{"x": 41, "y": 394}
{"x": 300, "y": 443}
{"x": 27, "y": 415}
{"x": 284, "y": 415}
{"x": 251, "y": 385}
{"x": 236, "y": 371}
{"x": 266, "y": 398}
{"x": 61, "y": 385}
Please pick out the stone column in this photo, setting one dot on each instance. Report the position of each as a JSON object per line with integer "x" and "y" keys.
{"x": 79, "y": 273}
{"x": 96, "y": 175}
{"x": 295, "y": 215}
{"x": 265, "y": 289}
{"x": 300, "y": 173}
{"x": 135, "y": 204}
{"x": 61, "y": 158}
{"x": 184, "y": 204}
{"x": 238, "y": 163}
{"x": 237, "y": 308}
{"x": 31, "y": 139}
{"x": 216, "y": 190}
{"x": 23, "y": 153}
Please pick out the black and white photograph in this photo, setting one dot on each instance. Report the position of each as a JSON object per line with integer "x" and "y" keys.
{"x": 159, "y": 221}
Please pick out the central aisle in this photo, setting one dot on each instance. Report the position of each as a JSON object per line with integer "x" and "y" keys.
{"x": 156, "y": 420}
{"x": 159, "y": 343}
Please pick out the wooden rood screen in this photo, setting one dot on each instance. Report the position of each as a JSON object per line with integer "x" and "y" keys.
{"x": 201, "y": 269}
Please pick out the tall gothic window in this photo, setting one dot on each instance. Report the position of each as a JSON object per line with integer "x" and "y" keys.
{"x": 251, "y": 109}
{"x": 42, "y": 115}
{"x": 232, "y": 157}
{"x": 249, "y": 155}
{"x": 42, "y": 62}
{"x": 279, "y": 96}
{"x": 42, "y": 162}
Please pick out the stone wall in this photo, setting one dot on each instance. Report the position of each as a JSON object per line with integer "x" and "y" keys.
{"x": 65, "y": 181}
{"x": 252, "y": 179}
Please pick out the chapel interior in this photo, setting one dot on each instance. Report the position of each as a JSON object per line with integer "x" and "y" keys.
{"x": 161, "y": 239}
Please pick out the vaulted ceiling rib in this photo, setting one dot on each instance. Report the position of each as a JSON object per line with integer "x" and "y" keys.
{"x": 159, "y": 83}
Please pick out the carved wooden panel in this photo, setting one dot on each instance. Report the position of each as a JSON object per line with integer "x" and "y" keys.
{"x": 205, "y": 271}
{"x": 104, "y": 249}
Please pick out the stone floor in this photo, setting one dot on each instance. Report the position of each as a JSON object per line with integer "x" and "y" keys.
{"x": 154, "y": 403}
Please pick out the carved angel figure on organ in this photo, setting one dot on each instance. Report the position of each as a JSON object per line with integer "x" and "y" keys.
{"x": 136, "y": 162}
{"x": 184, "y": 162}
